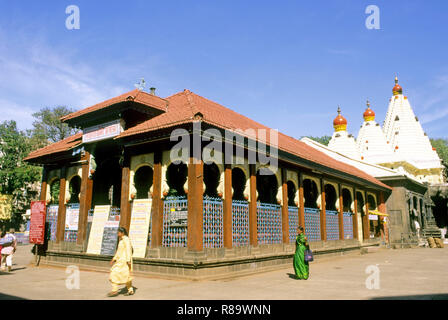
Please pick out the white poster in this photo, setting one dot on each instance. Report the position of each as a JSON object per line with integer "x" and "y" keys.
{"x": 71, "y": 218}
{"x": 100, "y": 216}
{"x": 139, "y": 228}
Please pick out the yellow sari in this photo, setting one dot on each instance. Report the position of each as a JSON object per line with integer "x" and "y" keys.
{"x": 121, "y": 273}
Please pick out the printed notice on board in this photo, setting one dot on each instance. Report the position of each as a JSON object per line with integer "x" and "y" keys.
{"x": 100, "y": 216}
{"x": 72, "y": 217}
{"x": 139, "y": 228}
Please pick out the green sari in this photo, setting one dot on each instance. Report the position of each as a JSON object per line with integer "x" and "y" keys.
{"x": 301, "y": 267}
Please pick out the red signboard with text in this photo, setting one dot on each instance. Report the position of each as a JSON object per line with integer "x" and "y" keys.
{"x": 37, "y": 222}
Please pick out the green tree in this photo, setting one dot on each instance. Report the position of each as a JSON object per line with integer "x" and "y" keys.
{"x": 441, "y": 146}
{"x": 324, "y": 139}
{"x": 17, "y": 178}
{"x": 48, "y": 128}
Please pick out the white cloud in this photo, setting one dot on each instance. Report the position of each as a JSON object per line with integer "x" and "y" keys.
{"x": 13, "y": 111}
{"x": 35, "y": 75}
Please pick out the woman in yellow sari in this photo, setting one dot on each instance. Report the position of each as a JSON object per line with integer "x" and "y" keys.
{"x": 121, "y": 271}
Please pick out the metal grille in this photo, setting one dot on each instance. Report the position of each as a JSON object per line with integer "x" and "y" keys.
{"x": 332, "y": 224}
{"x": 293, "y": 221}
{"x": 348, "y": 225}
{"x": 174, "y": 235}
{"x": 312, "y": 224}
{"x": 240, "y": 223}
{"x": 212, "y": 223}
{"x": 71, "y": 235}
{"x": 52, "y": 221}
{"x": 269, "y": 223}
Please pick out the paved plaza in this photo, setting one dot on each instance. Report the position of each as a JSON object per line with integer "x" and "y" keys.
{"x": 419, "y": 273}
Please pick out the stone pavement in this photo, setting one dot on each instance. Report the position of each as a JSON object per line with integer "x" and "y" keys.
{"x": 419, "y": 273}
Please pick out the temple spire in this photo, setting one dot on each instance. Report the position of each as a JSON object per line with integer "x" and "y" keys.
{"x": 339, "y": 123}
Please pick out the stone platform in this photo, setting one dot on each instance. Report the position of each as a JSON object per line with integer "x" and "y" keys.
{"x": 179, "y": 263}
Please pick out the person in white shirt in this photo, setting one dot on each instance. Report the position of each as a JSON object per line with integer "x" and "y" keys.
{"x": 417, "y": 228}
{"x": 8, "y": 251}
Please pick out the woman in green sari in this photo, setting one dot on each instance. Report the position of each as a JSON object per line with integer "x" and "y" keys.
{"x": 301, "y": 267}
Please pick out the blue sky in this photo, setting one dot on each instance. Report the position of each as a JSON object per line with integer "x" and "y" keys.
{"x": 286, "y": 64}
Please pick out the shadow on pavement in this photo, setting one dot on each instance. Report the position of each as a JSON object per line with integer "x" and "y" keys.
{"x": 292, "y": 276}
{"x": 16, "y": 269}
{"x": 439, "y": 296}
{"x": 4, "y": 296}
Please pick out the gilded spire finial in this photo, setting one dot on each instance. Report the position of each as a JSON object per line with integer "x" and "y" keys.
{"x": 339, "y": 110}
{"x": 368, "y": 103}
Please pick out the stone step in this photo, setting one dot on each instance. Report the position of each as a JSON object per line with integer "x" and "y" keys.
{"x": 370, "y": 249}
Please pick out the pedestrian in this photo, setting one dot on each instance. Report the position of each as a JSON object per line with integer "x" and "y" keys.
{"x": 121, "y": 271}
{"x": 301, "y": 267}
{"x": 8, "y": 249}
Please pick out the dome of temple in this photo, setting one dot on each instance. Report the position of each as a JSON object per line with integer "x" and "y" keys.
{"x": 340, "y": 123}
{"x": 369, "y": 115}
{"x": 397, "y": 89}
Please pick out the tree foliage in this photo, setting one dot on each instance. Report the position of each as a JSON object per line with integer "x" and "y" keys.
{"x": 324, "y": 139}
{"x": 17, "y": 178}
{"x": 441, "y": 146}
{"x": 48, "y": 128}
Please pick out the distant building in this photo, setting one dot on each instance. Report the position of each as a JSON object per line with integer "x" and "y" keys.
{"x": 401, "y": 145}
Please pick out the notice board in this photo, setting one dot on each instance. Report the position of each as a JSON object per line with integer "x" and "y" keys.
{"x": 110, "y": 238}
{"x": 100, "y": 216}
{"x": 72, "y": 217}
{"x": 139, "y": 228}
{"x": 37, "y": 222}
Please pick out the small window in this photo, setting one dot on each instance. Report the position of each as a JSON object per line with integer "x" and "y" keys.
{"x": 397, "y": 118}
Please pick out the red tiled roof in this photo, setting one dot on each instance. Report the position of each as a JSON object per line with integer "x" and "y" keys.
{"x": 183, "y": 106}
{"x": 136, "y": 95}
{"x": 60, "y": 146}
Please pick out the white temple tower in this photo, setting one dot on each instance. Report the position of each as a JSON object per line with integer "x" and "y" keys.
{"x": 371, "y": 142}
{"x": 342, "y": 141}
{"x": 410, "y": 144}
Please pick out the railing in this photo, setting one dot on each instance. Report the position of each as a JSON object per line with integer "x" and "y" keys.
{"x": 348, "y": 225}
{"x": 51, "y": 222}
{"x": 269, "y": 223}
{"x": 240, "y": 223}
{"x": 212, "y": 223}
{"x": 332, "y": 225}
{"x": 71, "y": 235}
{"x": 175, "y": 214}
{"x": 293, "y": 223}
{"x": 312, "y": 224}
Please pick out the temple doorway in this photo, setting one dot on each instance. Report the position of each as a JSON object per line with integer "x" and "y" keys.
{"x": 107, "y": 183}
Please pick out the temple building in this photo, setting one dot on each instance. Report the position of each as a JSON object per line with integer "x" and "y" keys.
{"x": 371, "y": 142}
{"x": 402, "y": 146}
{"x": 189, "y": 216}
{"x": 341, "y": 140}
{"x": 411, "y": 145}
